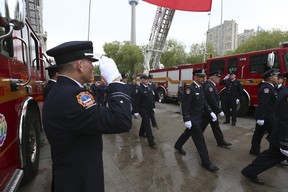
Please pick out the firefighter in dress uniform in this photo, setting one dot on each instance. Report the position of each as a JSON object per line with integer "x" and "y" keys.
{"x": 212, "y": 97}
{"x": 278, "y": 143}
{"x": 153, "y": 87}
{"x": 265, "y": 111}
{"x": 231, "y": 97}
{"x": 53, "y": 75}
{"x": 193, "y": 107}
{"x": 74, "y": 122}
{"x": 144, "y": 106}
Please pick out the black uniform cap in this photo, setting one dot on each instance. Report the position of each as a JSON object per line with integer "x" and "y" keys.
{"x": 269, "y": 73}
{"x": 51, "y": 67}
{"x": 72, "y": 51}
{"x": 232, "y": 72}
{"x": 215, "y": 73}
{"x": 144, "y": 76}
{"x": 199, "y": 73}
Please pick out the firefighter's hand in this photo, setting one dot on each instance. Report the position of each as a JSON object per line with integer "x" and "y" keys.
{"x": 188, "y": 124}
{"x": 221, "y": 114}
{"x": 108, "y": 69}
{"x": 260, "y": 122}
{"x": 214, "y": 117}
{"x": 237, "y": 101}
{"x": 226, "y": 77}
{"x": 136, "y": 114}
{"x": 154, "y": 110}
{"x": 284, "y": 152}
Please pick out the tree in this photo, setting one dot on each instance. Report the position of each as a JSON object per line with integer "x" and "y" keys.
{"x": 173, "y": 53}
{"x": 127, "y": 57}
{"x": 264, "y": 40}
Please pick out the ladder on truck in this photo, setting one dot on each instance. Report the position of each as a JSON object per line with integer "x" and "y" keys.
{"x": 159, "y": 32}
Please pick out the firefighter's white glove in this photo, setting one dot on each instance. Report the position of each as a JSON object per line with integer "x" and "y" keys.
{"x": 136, "y": 114}
{"x": 214, "y": 117}
{"x": 221, "y": 114}
{"x": 160, "y": 100}
{"x": 108, "y": 69}
{"x": 154, "y": 110}
{"x": 226, "y": 77}
{"x": 237, "y": 101}
{"x": 188, "y": 124}
{"x": 284, "y": 152}
{"x": 260, "y": 122}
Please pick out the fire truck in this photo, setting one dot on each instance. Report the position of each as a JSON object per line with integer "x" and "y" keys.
{"x": 249, "y": 67}
{"x": 22, "y": 76}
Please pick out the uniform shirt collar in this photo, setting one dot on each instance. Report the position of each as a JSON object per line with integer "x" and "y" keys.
{"x": 197, "y": 84}
{"x": 53, "y": 80}
{"x": 212, "y": 82}
{"x": 73, "y": 80}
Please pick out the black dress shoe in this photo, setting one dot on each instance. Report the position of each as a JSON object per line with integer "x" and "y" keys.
{"x": 233, "y": 123}
{"x": 152, "y": 144}
{"x": 226, "y": 122}
{"x": 256, "y": 153}
{"x": 253, "y": 179}
{"x": 211, "y": 167}
{"x": 180, "y": 150}
{"x": 224, "y": 144}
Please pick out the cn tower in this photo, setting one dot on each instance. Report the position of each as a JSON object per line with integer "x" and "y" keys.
{"x": 133, "y": 4}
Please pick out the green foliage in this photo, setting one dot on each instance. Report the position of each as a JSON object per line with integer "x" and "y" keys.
{"x": 127, "y": 57}
{"x": 264, "y": 40}
{"x": 174, "y": 53}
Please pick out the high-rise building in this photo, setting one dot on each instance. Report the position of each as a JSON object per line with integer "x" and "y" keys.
{"x": 247, "y": 34}
{"x": 225, "y": 42}
{"x": 34, "y": 14}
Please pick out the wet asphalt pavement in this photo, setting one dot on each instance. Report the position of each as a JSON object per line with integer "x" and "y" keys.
{"x": 130, "y": 165}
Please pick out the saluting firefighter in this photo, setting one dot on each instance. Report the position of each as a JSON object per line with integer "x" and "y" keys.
{"x": 212, "y": 97}
{"x": 265, "y": 111}
{"x": 194, "y": 106}
{"x": 74, "y": 122}
{"x": 144, "y": 104}
{"x": 232, "y": 96}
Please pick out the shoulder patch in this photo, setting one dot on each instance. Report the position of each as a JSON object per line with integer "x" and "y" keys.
{"x": 188, "y": 91}
{"x": 85, "y": 99}
{"x": 211, "y": 89}
{"x": 266, "y": 90}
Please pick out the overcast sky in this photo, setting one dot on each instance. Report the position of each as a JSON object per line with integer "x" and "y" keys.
{"x": 67, "y": 20}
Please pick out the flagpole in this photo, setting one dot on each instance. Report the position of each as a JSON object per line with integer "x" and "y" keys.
{"x": 89, "y": 19}
{"x": 205, "y": 49}
{"x": 221, "y": 34}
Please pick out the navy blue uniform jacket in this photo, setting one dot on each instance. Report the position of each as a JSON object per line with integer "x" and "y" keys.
{"x": 194, "y": 105}
{"x": 74, "y": 125}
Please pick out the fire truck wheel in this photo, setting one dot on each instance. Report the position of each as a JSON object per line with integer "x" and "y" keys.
{"x": 31, "y": 144}
{"x": 243, "y": 107}
{"x": 161, "y": 95}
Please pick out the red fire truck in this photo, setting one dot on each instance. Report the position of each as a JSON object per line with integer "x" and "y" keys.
{"x": 249, "y": 66}
{"x": 22, "y": 76}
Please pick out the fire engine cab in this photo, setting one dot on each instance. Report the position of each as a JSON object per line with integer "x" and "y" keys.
{"x": 22, "y": 76}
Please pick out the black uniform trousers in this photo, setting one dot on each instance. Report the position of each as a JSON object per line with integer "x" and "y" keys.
{"x": 153, "y": 119}
{"x": 267, "y": 159}
{"x": 258, "y": 135}
{"x": 215, "y": 128}
{"x": 197, "y": 135}
{"x": 230, "y": 109}
{"x": 145, "y": 127}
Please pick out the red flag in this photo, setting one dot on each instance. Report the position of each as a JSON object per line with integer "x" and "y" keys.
{"x": 184, "y": 5}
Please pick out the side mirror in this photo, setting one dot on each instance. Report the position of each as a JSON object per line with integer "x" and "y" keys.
{"x": 12, "y": 11}
{"x": 270, "y": 60}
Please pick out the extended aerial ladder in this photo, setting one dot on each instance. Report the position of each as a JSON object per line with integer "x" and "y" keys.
{"x": 159, "y": 32}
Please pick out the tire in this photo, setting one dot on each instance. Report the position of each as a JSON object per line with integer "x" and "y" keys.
{"x": 31, "y": 144}
{"x": 161, "y": 95}
{"x": 243, "y": 107}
